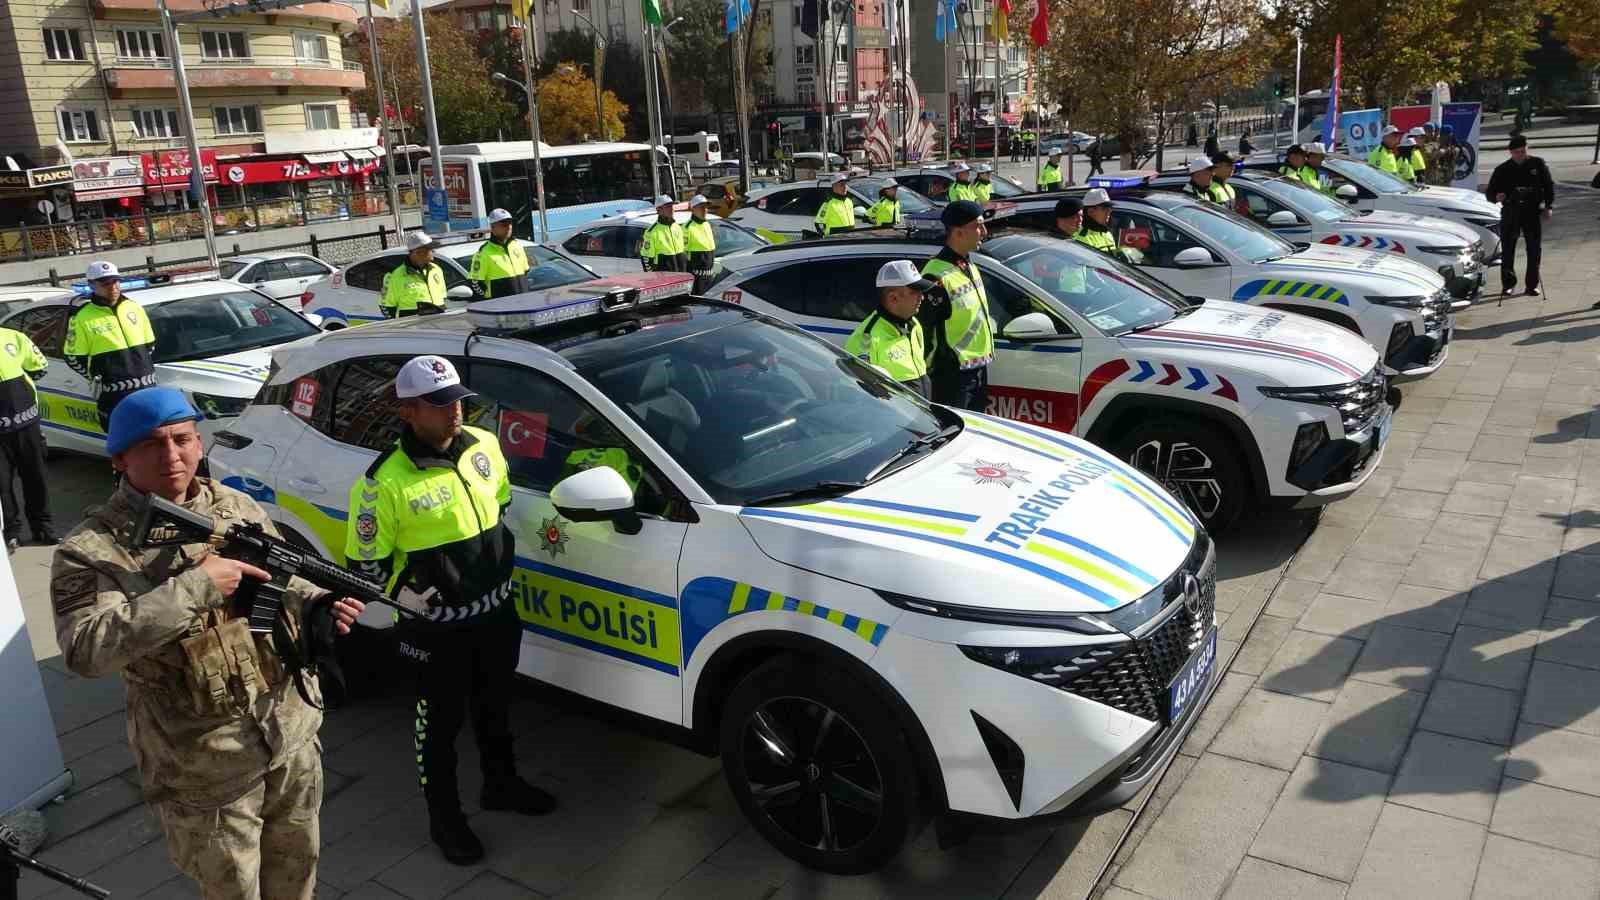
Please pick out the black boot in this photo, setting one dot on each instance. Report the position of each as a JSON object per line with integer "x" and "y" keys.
{"x": 507, "y": 791}
{"x": 450, "y": 831}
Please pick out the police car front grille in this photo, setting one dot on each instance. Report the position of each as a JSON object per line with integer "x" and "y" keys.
{"x": 1136, "y": 682}
{"x": 1435, "y": 310}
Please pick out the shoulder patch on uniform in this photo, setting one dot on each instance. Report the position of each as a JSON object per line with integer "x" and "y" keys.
{"x": 73, "y": 590}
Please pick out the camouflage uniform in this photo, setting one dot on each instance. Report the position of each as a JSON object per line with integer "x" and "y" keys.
{"x": 225, "y": 745}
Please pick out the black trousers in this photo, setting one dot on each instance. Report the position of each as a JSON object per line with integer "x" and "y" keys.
{"x": 22, "y": 457}
{"x": 463, "y": 667}
{"x": 1524, "y": 222}
{"x": 963, "y": 388}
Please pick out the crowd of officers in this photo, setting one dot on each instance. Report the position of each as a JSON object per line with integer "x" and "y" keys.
{"x": 1425, "y": 154}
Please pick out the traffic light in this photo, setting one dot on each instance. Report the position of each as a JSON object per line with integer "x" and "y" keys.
{"x": 1278, "y": 88}
{"x": 809, "y": 18}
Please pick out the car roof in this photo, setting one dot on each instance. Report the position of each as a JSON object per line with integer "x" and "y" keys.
{"x": 166, "y": 293}
{"x": 641, "y": 217}
{"x": 263, "y": 255}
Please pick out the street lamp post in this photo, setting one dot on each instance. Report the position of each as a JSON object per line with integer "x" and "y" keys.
{"x": 197, "y": 175}
{"x": 664, "y": 88}
{"x": 599, "y": 48}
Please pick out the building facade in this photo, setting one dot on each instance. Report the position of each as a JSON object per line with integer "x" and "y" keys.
{"x": 87, "y": 88}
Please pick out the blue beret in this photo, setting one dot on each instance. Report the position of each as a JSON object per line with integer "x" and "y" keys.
{"x": 142, "y": 412}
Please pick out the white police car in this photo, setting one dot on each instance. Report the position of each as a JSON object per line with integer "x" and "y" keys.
{"x": 610, "y": 246}
{"x": 213, "y": 342}
{"x": 873, "y": 608}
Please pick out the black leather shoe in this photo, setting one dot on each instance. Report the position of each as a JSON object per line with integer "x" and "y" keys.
{"x": 45, "y": 536}
{"x": 512, "y": 794}
{"x": 1534, "y": 292}
{"x": 455, "y": 839}
{"x": 12, "y": 544}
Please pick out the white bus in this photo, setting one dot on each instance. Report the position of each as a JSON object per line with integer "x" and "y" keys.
{"x": 582, "y": 183}
{"x": 699, "y": 149}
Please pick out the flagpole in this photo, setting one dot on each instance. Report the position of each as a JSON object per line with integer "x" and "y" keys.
{"x": 383, "y": 117}
{"x": 532, "y": 90}
{"x": 741, "y": 103}
{"x": 650, "y": 106}
{"x": 999, "y": 66}
{"x": 1033, "y": 100}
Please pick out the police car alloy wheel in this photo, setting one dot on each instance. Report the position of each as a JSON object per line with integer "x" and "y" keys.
{"x": 1193, "y": 460}
{"x": 818, "y": 764}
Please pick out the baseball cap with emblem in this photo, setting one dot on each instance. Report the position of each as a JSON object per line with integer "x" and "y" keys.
{"x": 959, "y": 213}
{"x": 1315, "y": 148}
{"x": 1199, "y": 164}
{"x": 142, "y": 412}
{"x": 416, "y": 240}
{"x": 1388, "y": 130}
{"x": 698, "y": 200}
{"x": 431, "y": 379}
{"x": 960, "y": 167}
{"x": 101, "y": 269}
{"x": 902, "y": 273}
{"x": 498, "y": 216}
{"x": 1416, "y": 131}
{"x": 1096, "y": 197}
{"x": 838, "y": 178}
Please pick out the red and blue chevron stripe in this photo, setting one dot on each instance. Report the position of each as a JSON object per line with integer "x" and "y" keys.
{"x": 1364, "y": 242}
{"x": 1251, "y": 346}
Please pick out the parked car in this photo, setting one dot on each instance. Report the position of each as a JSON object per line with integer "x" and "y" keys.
{"x": 611, "y": 246}
{"x": 350, "y": 295}
{"x": 933, "y": 182}
{"x": 790, "y": 209}
{"x": 279, "y": 274}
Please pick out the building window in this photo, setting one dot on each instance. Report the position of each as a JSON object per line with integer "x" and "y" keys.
{"x": 805, "y": 91}
{"x": 224, "y": 45}
{"x": 237, "y": 119}
{"x": 63, "y": 44}
{"x": 156, "y": 124}
{"x": 841, "y": 53}
{"x": 580, "y": 5}
{"x": 79, "y": 126}
{"x": 805, "y": 54}
{"x": 139, "y": 44}
{"x": 322, "y": 116}
{"x": 310, "y": 47}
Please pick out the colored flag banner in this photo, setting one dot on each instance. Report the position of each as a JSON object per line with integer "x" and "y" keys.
{"x": 891, "y": 21}
{"x": 735, "y": 12}
{"x": 652, "y": 11}
{"x": 1039, "y": 31}
{"x": 1330, "y": 125}
{"x": 1002, "y": 20}
{"x": 1363, "y": 130}
{"x": 943, "y": 21}
{"x": 1406, "y": 118}
{"x": 1464, "y": 119}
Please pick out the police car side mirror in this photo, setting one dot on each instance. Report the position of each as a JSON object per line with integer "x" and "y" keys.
{"x": 1347, "y": 193}
{"x": 861, "y": 212}
{"x": 460, "y": 292}
{"x": 1194, "y": 258}
{"x": 599, "y": 494}
{"x": 1283, "y": 219}
{"x": 1034, "y": 326}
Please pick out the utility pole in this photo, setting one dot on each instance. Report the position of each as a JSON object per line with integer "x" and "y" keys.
{"x": 652, "y": 106}
{"x": 425, "y": 74}
{"x": 383, "y": 116}
{"x": 599, "y": 48}
{"x": 529, "y": 51}
{"x": 741, "y": 106}
{"x": 197, "y": 174}
{"x": 826, "y": 43}
{"x": 1294, "y": 135}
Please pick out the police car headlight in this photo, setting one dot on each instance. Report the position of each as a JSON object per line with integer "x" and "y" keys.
{"x": 1075, "y": 623}
{"x": 213, "y": 406}
{"x": 1401, "y": 302}
{"x": 1444, "y": 250}
{"x": 1048, "y": 665}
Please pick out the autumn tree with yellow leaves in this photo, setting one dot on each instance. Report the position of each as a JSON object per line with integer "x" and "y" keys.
{"x": 566, "y": 107}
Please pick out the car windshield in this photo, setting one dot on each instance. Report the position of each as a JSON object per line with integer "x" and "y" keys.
{"x": 911, "y": 202}
{"x": 219, "y": 324}
{"x": 546, "y": 268}
{"x": 1004, "y": 187}
{"x": 229, "y": 268}
{"x": 1369, "y": 177}
{"x": 1311, "y": 200}
{"x": 751, "y": 408}
{"x": 1237, "y": 233}
{"x": 731, "y": 237}
{"x": 1114, "y": 296}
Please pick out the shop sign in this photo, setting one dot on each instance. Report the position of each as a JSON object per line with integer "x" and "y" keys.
{"x": 107, "y": 177}
{"x": 456, "y": 187}
{"x": 172, "y": 168}
{"x": 34, "y": 179}
{"x": 263, "y": 171}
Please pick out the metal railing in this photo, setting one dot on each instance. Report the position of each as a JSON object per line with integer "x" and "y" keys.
{"x": 271, "y": 62}
{"x": 29, "y": 242}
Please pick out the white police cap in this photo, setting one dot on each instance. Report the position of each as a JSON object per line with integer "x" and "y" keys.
{"x": 1096, "y": 197}
{"x": 101, "y": 269}
{"x": 902, "y": 273}
{"x": 1199, "y": 164}
{"x": 416, "y": 240}
{"x": 698, "y": 200}
{"x": 664, "y": 200}
{"x": 499, "y": 215}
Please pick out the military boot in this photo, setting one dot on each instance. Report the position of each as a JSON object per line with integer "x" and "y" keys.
{"x": 504, "y": 789}
{"x": 449, "y": 830}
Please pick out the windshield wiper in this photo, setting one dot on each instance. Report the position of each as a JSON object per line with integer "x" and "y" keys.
{"x": 927, "y": 441}
{"x": 821, "y": 489}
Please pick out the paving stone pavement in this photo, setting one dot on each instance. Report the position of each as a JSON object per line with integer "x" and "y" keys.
{"x": 1416, "y": 714}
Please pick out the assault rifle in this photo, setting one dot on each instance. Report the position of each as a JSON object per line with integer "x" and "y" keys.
{"x": 14, "y": 859}
{"x": 164, "y": 523}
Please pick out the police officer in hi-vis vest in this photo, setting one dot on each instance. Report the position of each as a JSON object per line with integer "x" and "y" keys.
{"x": 1050, "y": 176}
{"x": 109, "y": 341}
{"x": 956, "y": 318}
{"x": 700, "y": 242}
{"x": 500, "y": 267}
{"x": 891, "y": 337}
{"x": 21, "y": 443}
{"x": 664, "y": 248}
{"x": 838, "y": 212}
{"x": 429, "y": 516}
{"x": 416, "y": 286}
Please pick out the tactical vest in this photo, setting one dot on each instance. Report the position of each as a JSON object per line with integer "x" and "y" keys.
{"x": 500, "y": 269}
{"x": 968, "y": 331}
{"x": 836, "y": 213}
{"x": 407, "y": 290}
{"x": 118, "y": 343}
{"x": 898, "y": 351}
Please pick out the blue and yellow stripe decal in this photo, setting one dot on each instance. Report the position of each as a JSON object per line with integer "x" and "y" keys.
{"x": 74, "y": 413}
{"x": 1300, "y": 290}
{"x": 709, "y": 601}
{"x": 850, "y": 511}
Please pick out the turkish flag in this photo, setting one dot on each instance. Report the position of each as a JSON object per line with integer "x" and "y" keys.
{"x": 522, "y": 434}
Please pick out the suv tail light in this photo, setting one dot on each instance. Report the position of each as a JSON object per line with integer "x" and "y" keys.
{"x": 305, "y": 300}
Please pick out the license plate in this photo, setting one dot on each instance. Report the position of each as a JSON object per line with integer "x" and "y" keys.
{"x": 1191, "y": 680}
{"x": 1380, "y": 428}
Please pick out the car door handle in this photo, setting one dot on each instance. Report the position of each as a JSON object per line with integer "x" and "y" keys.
{"x": 309, "y": 486}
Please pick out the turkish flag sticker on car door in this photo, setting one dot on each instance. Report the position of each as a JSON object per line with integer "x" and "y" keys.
{"x": 522, "y": 434}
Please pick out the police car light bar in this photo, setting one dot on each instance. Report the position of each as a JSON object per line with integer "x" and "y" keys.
{"x": 1115, "y": 182}
{"x": 154, "y": 279}
{"x": 543, "y": 309}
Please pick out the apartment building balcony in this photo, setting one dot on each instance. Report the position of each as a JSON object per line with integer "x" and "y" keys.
{"x": 334, "y": 12}
{"x": 247, "y": 73}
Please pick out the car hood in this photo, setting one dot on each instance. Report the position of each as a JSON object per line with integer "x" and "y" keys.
{"x": 235, "y": 375}
{"x": 1357, "y": 271}
{"x": 1432, "y": 201}
{"x": 1003, "y": 517}
{"x": 1433, "y": 228}
{"x": 1273, "y": 345}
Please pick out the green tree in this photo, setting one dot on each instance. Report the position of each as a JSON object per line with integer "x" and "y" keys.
{"x": 698, "y": 61}
{"x": 468, "y": 106}
{"x": 623, "y": 73}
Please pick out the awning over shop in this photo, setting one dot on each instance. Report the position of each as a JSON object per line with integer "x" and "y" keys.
{"x": 107, "y": 178}
{"x": 265, "y": 170}
{"x": 332, "y": 156}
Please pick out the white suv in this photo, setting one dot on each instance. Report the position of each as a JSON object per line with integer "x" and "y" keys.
{"x": 875, "y": 609}
{"x": 1229, "y": 406}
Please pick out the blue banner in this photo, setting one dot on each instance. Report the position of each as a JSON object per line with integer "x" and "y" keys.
{"x": 1363, "y": 130}
{"x": 1463, "y": 119}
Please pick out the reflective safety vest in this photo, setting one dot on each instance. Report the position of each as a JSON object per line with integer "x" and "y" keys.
{"x": 615, "y": 457}
{"x": 435, "y": 515}
{"x": 885, "y": 212}
{"x": 697, "y": 236}
{"x": 1097, "y": 238}
{"x": 19, "y": 360}
{"x": 662, "y": 246}
{"x": 1402, "y": 164}
{"x": 1383, "y": 158}
{"x": 407, "y": 290}
{"x": 115, "y": 345}
{"x": 836, "y": 213}
{"x": 1419, "y": 163}
{"x": 1049, "y": 177}
{"x": 968, "y": 331}
{"x": 962, "y": 191}
{"x": 1192, "y": 189}
{"x": 982, "y": 190}
{"x": 1222, "y": 192}
{"x": 499, "y": 268}
{"x": 893, "y": 348}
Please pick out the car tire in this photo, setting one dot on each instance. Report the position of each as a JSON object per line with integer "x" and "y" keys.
{"x": 1197, "y": 461}
{"x": 855, "y": 786}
